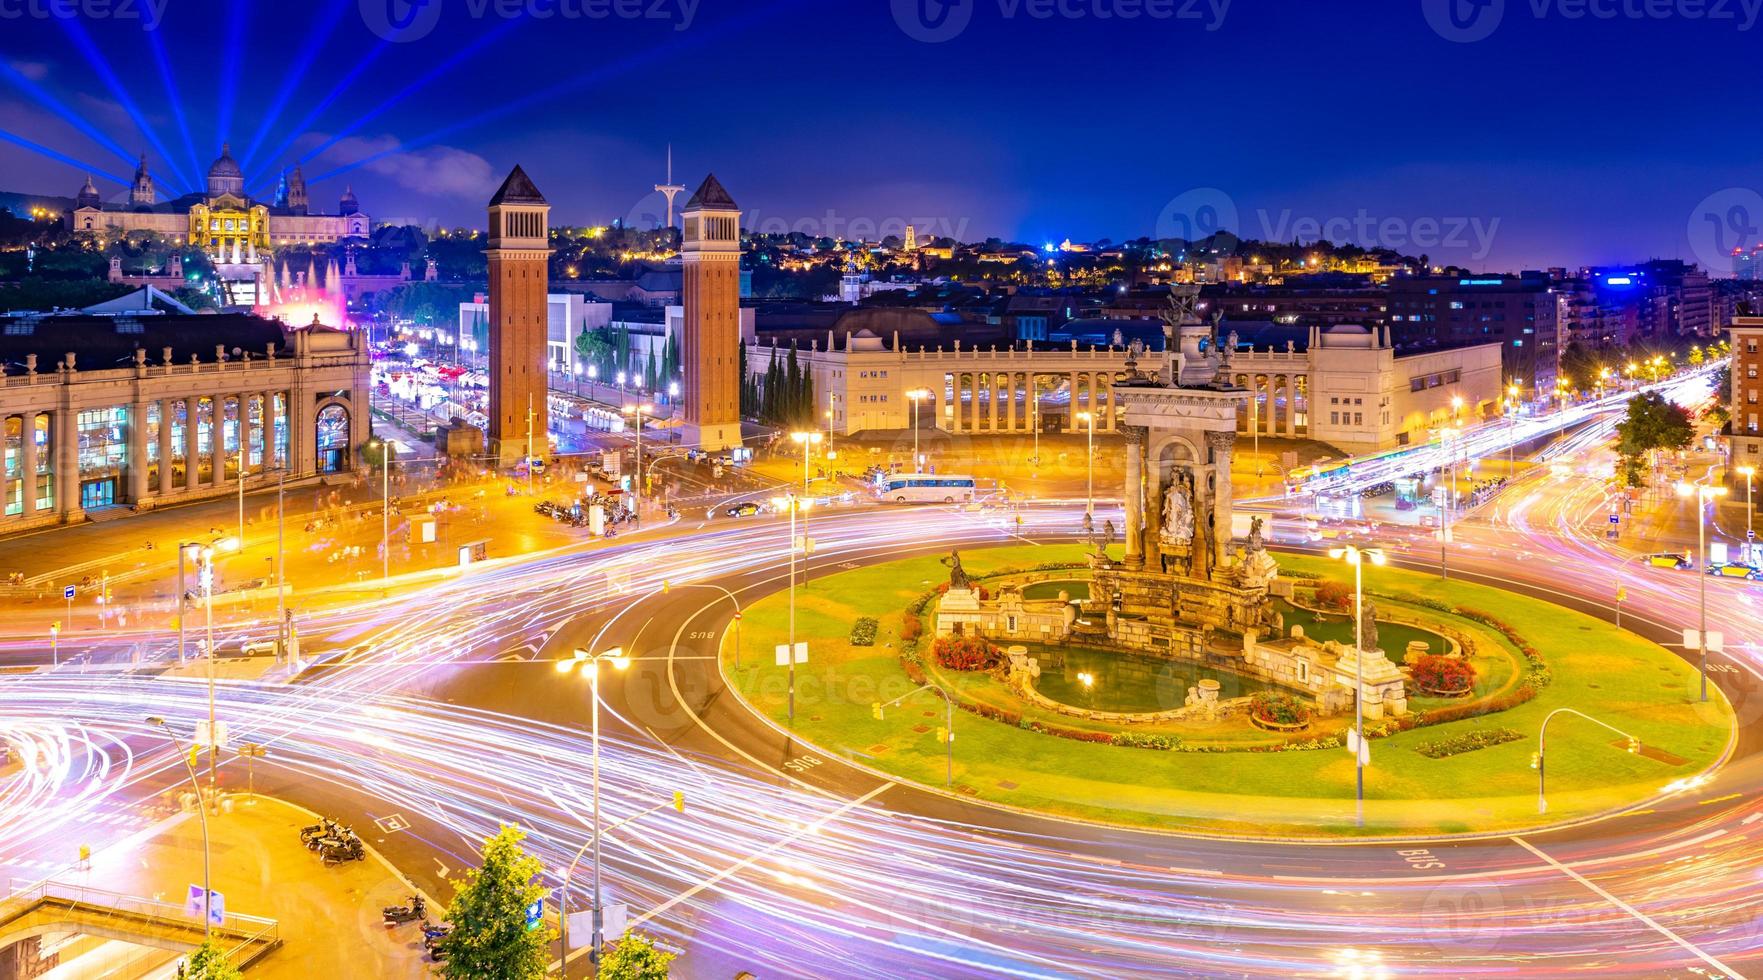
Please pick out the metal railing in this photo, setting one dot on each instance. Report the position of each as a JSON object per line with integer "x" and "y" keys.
{"x": 251, "y": 935}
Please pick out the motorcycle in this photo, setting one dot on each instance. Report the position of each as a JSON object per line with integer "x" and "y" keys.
{"x": 396, "y": 914}
{"x": 350, "y": 850}
{"x": 432, "y": 935}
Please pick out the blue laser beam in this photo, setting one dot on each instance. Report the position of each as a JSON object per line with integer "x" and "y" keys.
{"x": 177, "y": 103}
{"x": 74, "y": 119}
{"x": 336, "y": 90}
{"x": 229, "y": 68}
{"x": 61, "y": 157}
{"x": 83, "y": 41}
{"x": 293, "y": 76}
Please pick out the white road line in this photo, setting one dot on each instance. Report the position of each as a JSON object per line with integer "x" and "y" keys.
{"x": 1631, "y": 910}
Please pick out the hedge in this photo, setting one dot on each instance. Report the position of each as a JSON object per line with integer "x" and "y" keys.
{"x": 1461, "y": 742}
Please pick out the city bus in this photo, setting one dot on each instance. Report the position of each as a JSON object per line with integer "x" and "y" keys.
{"x": 925, "y": 488}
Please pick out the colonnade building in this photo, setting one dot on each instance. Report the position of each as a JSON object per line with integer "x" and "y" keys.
{"x": 1348, "y": 386}
{"x": 147, "y": 408}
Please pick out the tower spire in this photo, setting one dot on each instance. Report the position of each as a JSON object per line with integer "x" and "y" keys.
{"x": 670, "y": 189}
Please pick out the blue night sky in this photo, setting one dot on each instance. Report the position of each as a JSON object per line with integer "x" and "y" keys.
{"x": 1556, "y": 139}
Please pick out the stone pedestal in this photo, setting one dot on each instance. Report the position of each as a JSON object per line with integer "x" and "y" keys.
{"x": 958, "y": 612}
{"x": 1382, "y": 685}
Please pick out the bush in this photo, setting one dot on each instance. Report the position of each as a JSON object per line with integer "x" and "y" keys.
{"x": 1331, "y": 594}
{"x": 1436, "y": 674}
{"x": 1279, "y": 708}
{"x": 1141, "y": 740}
{"x": 911, "y": 626}
{"x": 1461, "y": 742}
{"x": 966, "y": 653}
{"x": 863, "y": 632}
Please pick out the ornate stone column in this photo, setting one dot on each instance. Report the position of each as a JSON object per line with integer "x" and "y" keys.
{"x": 1220, "y": 444}
{"x": 165, "y": 486}
{"x": 1071, "y": 424}
{"x": 1270, "y": 424}
{"x": 192, "y": 442}
{"x": 217, "y": 441}
{"x": 1010, "y": 406}
{"x": 1153, "y": 509}
{"x": 137, "y": 451}
{"x": 65, "y": 444}
{"x": 28, "y": 469}
{"x": 1292, "y": 406}
{"x": 1135, "y": 494}
{"x": 940, "y": 399}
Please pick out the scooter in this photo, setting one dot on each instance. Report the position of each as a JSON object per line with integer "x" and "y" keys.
{"x": 396, "y": 914}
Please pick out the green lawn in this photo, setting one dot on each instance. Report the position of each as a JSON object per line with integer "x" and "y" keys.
{"x": 1612, "y": 675}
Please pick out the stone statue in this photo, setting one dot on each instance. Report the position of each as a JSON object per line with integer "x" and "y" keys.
{"x": 1178, "y": 512}
{"x": 1255, "y": 542}
{"x": 1107, "y": 536}
{"x": 957, "y": 575}
{"x": 1368, "y": 625}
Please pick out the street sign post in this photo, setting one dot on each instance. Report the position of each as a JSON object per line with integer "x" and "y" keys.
{"x": 220, "y": 730}
{"x": 783, "y": 653}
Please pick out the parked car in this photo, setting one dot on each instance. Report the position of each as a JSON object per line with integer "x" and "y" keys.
{"x": 1670, "y": 560}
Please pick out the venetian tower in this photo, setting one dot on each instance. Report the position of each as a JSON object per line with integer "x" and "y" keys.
{"x": 518, "y": 254}
{"x": 710, "y": 254}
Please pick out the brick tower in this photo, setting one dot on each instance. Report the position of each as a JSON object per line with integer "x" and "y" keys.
{"x": 518, "y": 253}
{"x": 711, "y": 257}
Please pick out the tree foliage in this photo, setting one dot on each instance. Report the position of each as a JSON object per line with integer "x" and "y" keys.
{"x": 634, "y": 957}
{"x": 490, "y": 939}
{"x": 209, "y": 962}
{"x": 1653, "y": 423}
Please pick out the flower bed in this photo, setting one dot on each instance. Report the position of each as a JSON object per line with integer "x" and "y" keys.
{"x": 863, "y": 631}
{"x": 1442, "y": 676}
{"x": 966, "y": 653}
{"x": 1462, "y": 742}
{"x": 1276, "y": 712}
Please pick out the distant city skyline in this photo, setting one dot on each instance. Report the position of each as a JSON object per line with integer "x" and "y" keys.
{"x": 1498, "y": 154}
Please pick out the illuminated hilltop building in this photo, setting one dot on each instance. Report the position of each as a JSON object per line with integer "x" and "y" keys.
{"x": 224, "y": 220}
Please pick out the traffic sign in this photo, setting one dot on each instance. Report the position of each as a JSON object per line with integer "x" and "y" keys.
{"x": 783, "y": 653}
{"x": 68, "y": 593}
{"x": 216, "y": 905}
{"x": 202, "y": 737}
{"x": 535, "y": 913}
{"x": 1614, "y": 519}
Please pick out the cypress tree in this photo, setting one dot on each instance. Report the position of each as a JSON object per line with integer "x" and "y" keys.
{"x": 793, "y": 388}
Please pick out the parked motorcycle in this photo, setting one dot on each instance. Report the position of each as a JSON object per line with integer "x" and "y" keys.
{"x": 396, "y": 914}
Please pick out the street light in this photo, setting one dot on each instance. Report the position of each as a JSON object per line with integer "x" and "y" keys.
{"x": 1357, "y": 557}
{"x": 807, "y": 440}
{"x": 637, "y": 487}
{"x": 1089, "y": 420}
{"x": 590, "y": 665}
{"x": 1703, "y": 493}
{"x": 948, "y": 732}
{"x": 793, "y": 503}
{"x": 201, "y": 811}
{"x": 1748, "y": 472}
{"x": 915, "y": 396}
{"x": 385, "y": 449}
{"x": 1540, "y": 759}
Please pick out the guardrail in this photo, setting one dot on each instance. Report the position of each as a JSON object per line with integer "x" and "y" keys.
{"x": 250, "y": 936}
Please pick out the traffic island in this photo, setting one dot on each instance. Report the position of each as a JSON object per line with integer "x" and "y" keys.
{"x": 1456, "y": 763}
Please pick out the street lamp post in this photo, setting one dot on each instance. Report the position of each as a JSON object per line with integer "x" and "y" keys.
{"x": 590, "y": 665}
{"x": 201, "y": 811}
{"x": 1703, "y": 493}
{"x": 1541, "y": 759}
{"x": 915, "y": 396}
{"x": 948, "y": 725}
{"x": 637, "y": 484}
{"x": 1357, "y": 558}
{"x": 385, "y": 448}
{"x": 1089, "y": 419}
{"x": 1749, "y": 472}
{"x": 793, "y": 503}
{"x": 807, "y": 440}
{"x": 678, "y": 803}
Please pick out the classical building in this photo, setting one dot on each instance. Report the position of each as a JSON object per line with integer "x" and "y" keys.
{"x": 224, "y": 220}
{"x": 144, "y": 405}
{"x": 709, "y": 344}
{"x": 519, "y": 254}
{"x": 1347, "y": 385}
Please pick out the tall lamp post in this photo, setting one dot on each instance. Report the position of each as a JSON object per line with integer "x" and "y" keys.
{"x": 202, "y": 811}
{"x": 590, "y": 665}
{"x": 205, "y": 575}
{"x": 1749, "y": 472}
{"x": 807, "y": 440}
{"x": 1703, "y": 493}
{"x": 915, "y": 396}
{"x": 1357, "y": 557}
{"x": 385, "y": 449}
{"x": 1540, "y": 759}
{"x": 794, "y": 504}
{"x": 637, "y": 485}
{"x": 1089, "y": 420}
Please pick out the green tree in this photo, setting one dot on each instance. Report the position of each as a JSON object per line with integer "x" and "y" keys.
{"x": 1653, "y": 423}
{"x": 490, "y": 939}
{"x": 634, "y": 957}
{"x": 594, "y": 346}
{"x": 209, "y": 962}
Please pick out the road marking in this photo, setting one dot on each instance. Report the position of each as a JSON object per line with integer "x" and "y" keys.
{"x": 1631, "y": 910}
{"x": 754, "y": 857}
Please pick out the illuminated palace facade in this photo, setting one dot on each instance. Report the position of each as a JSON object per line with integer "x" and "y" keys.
{"x": 225, "y": 221}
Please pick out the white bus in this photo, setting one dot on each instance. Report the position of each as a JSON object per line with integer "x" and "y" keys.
{"x": 925, "y": 488}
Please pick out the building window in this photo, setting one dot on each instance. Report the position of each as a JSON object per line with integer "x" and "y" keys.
{"x": 103, "y": 448}
{"x": 14, "y": 465}
{"x": 333, "y": 439}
